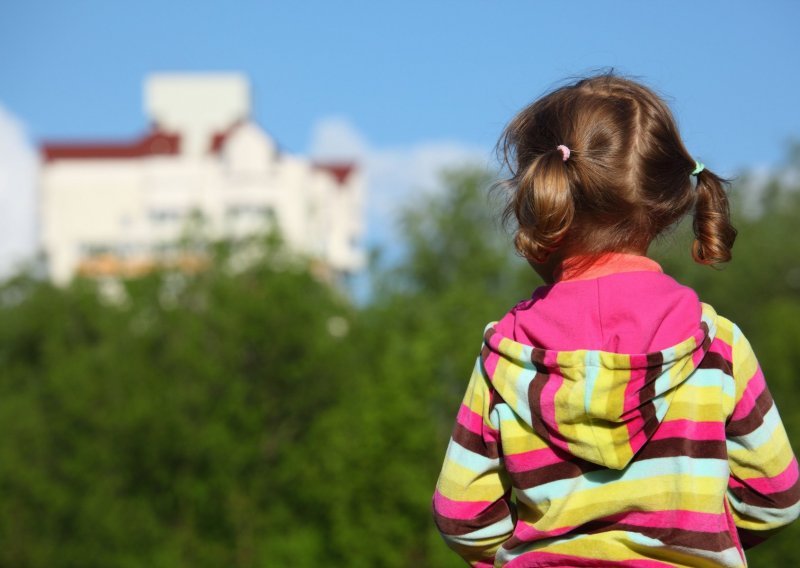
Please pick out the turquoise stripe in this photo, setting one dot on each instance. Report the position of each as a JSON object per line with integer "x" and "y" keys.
{"x": 519, "y": 384}
{"x": 712, "y": 378}
{"x": 728, "y": 557}
{"x": 495, "y": 530}
{"x": 592, "y": 361}
{"x": 737, "y": 334}
{"x": 527, "y": 360}
{"x": 661, "y": 407}
{"x": 760, "y": 435}
{"x": 506, "y": 556}
{"x": 523, "y": 383}
{"x": 769, "y": 516}
{"x": 644, "y": 540}
{"x": 663, "y": 382}
{"x": 652, "y": 468}
{"x": 506, "y": 414}
{"x": 494, "y": 418}
{"x": 469, "y": 459}
{"x": 711, "y": 323}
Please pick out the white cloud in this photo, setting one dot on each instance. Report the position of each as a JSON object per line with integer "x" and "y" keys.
{"x": 18, "y": 170}
{"x": 335, "y": 138}
{"x": 395, "y": 176}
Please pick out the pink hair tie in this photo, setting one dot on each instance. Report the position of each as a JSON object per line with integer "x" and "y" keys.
{"x": 564, "y": 152}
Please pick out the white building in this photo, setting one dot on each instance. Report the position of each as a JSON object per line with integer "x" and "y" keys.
{"x": 111, "y": 208}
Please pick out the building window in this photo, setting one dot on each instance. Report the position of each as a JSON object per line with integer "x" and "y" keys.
{"x": 95, "y": 249}
{"x": 242, "y": 212}
{"x": 166, "y": 216}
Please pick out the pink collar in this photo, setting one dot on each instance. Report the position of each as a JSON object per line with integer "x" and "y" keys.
{"x": 609, "y": 263}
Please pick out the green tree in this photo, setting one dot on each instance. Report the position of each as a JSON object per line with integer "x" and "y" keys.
{"x": 169, "y": 425}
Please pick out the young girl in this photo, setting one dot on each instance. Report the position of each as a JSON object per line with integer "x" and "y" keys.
{"x": 613, "y": 419}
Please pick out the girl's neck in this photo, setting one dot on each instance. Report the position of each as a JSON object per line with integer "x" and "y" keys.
{"x": 583, "y": 267}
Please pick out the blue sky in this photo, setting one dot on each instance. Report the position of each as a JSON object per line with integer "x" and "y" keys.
{"x": 411, "y": 85}
{"x": 403, "y": 72}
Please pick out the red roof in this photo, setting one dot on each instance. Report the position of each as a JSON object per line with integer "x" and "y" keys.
{"x": 341, "y": 171}
{"x": 218, "y": 139}
{"x": 159, "y": 143}
{"x": 156, "y": 143}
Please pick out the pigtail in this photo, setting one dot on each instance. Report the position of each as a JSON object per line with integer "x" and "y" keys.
{"x": 714, "y": 233}
{"x": 543, "y": 206}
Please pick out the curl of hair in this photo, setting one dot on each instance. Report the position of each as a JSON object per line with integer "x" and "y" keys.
{"x": 714, "y": 233}
{"x": 543, "y": 205}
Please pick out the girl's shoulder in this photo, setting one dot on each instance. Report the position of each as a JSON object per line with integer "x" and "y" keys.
{"x": 725, "y": 330}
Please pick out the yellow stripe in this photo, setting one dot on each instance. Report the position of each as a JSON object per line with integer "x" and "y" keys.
{"x": 572, "y": 360}
{"x": 462, "y": 484}
{"x": 504, "y": 377}
{"x": 757, "y": 525}
{"x": 744, "y": 363}
{"x": 687, "y": 410}
{"x": 569, "y": 404}
{"x": 693, "y": 393}
{"x": 512, "y": 349}
{"x": 612, "y": 384}
{"x": 679, "y": 371}
{"x": 478, "y": 389}
{"x": 617, "y": 546}
{"x": 619, "y": 380}
{"x": 477, "y": 397}
{"x": 473, "y": 555}
{"x": 771, "y": 460}
{"x": 519, "y": 437}
{"x": 650, "y": 494}
{"x": 724, "y": 329}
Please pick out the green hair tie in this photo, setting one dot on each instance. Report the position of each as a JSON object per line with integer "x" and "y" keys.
{"x": 698, "y": 167}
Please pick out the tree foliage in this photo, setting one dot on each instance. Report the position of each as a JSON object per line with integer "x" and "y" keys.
{"x": 249, "y": 415}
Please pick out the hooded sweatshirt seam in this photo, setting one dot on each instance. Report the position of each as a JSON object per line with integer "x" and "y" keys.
{"x": 599, "y": 314}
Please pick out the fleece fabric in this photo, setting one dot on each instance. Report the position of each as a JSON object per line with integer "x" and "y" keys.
{"x": 614, "y": 419}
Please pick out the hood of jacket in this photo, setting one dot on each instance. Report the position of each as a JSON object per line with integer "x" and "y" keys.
{"x": 591, "y": 364}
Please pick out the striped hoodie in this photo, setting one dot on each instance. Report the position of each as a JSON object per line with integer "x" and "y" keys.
{"x": 614, "y": 419}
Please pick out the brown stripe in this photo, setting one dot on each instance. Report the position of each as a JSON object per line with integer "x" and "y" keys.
{"x": 473, "y": 442}
{"x": 655, "y": 362}
{"x": 573, "y": 467}
{"x": 754, "y": 418}
{"x": 495, "y": 512}
{"x": 706, "y": 337}
{"x": 485, "y": 353}
{"x": 716, "y": 361}
{"x": 494, "y": 400}
{"x": 671, "y": 447}
{"x": 712, "y": 541}
{"x": 751, "y": 538}
{"x": 777, "y": 500}
{"x": 537, "y": 358}
{"x": 535, "y": 404}
{"x": 553, "y": 472}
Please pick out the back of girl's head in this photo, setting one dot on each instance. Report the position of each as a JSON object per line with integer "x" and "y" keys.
{"x": 626, "y": 179}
